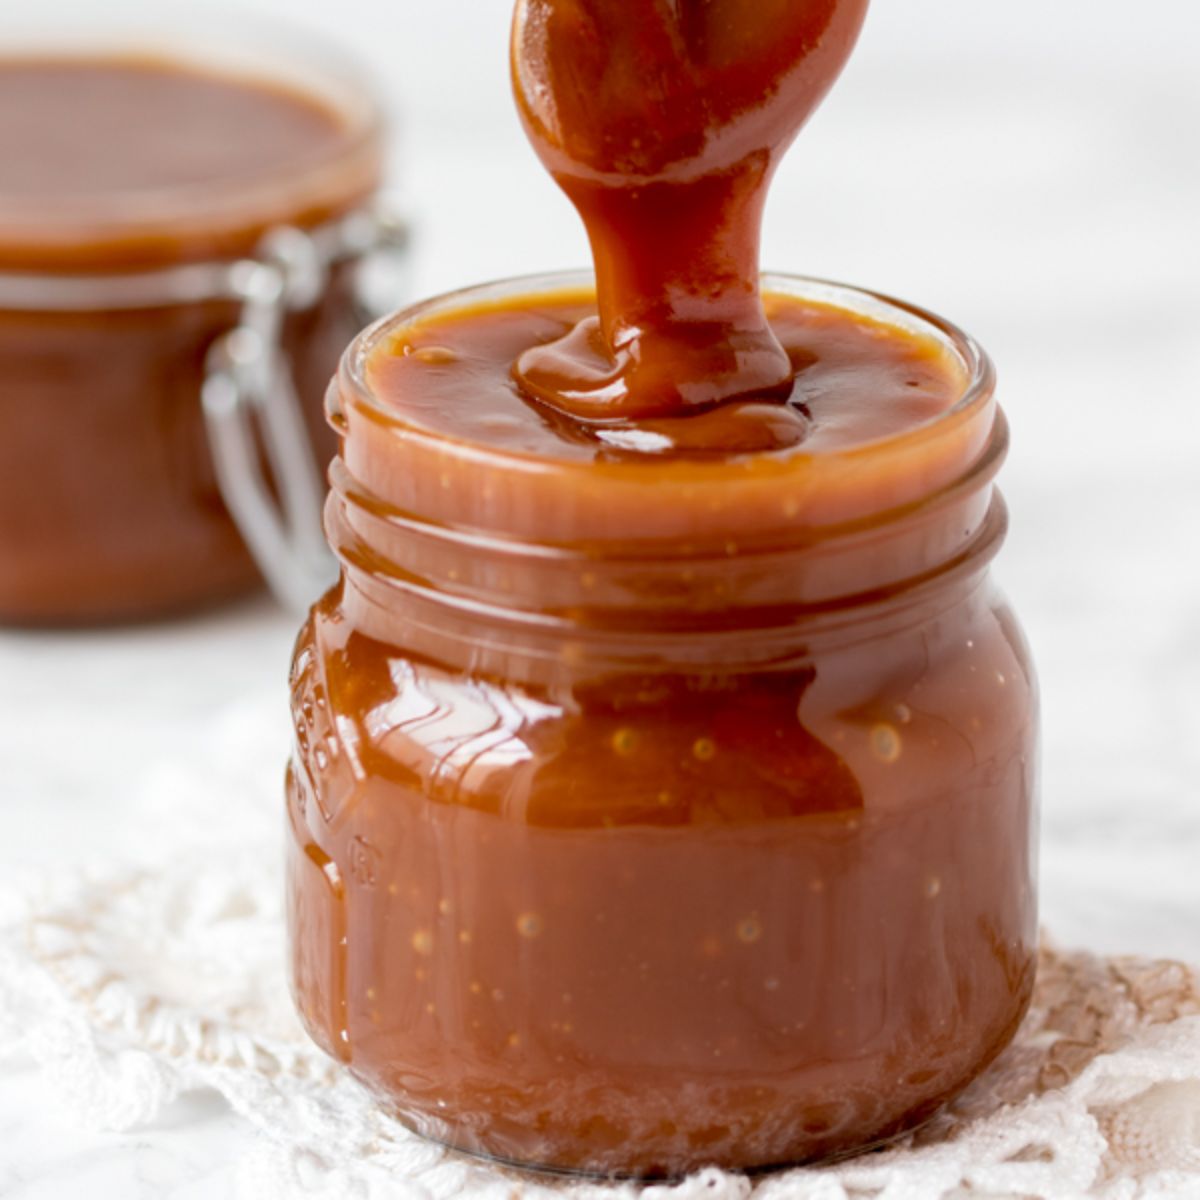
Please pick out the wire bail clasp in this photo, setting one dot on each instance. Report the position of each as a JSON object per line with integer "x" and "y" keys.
{"x": 253, "y": 414}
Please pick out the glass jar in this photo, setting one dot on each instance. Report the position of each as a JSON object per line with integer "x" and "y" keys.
{"x": 710, "y": 845}
{"x": 161, "y": 345}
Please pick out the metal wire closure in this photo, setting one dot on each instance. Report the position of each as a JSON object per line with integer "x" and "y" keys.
{"x": 249, "y": 398}
{"x": 250, "y": 401}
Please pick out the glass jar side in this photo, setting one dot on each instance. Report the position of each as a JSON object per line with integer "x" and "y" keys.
{"x": 649, "y": 920}
{"x": 633, "y": 854}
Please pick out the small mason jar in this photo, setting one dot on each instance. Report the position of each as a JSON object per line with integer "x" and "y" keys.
{"x": 164, "y": 348}
{"x": 649, "y": 818}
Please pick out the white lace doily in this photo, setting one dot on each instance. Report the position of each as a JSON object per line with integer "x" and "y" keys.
{"x": 133, "y": 983}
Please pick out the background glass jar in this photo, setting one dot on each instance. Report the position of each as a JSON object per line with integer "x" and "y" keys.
{"x": 116, "y": 304}
{"x": 709, "y": 845}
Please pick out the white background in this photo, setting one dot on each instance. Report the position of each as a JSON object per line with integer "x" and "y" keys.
{"x": 1031, "y": 169}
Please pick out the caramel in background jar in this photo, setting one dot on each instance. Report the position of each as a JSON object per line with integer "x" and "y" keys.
{"x": 130, "y": 185}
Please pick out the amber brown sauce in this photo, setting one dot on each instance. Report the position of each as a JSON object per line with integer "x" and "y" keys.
{"x": 88, "y": 130}
{"x": 646, "y": 921}
{"x": 664, "y": 122}
{"x": 109, "y": 508}
{"x": 854, "y": 380}
{"x": 584, "y": 898}
{"x": 665, "y": 766}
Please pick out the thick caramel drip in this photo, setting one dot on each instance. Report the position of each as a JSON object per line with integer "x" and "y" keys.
{"x": 663, "y": 122}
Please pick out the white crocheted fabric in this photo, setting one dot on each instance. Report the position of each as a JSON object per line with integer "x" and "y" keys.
{"x": 132, "y": 984}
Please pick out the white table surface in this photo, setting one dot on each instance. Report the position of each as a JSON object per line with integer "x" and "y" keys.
{"x": 1033, "y": 174}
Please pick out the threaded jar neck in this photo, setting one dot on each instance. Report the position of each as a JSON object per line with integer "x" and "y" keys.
{"x": 483, "y": 546}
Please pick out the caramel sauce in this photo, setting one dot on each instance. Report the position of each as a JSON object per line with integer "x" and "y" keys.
{"x": 109, "y": 507}
{"x": 116, "y": 163}
{"x": 665, "y": 771}
{"x": 663, "y": 122}
{"x": 65, "y": 129}
{"x": 853, "y": 380}
{"x": 657, "y": 806}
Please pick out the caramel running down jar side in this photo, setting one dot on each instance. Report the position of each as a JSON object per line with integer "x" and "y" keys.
{"x": 128, "y": 263}
{"x": 632, "y": 855}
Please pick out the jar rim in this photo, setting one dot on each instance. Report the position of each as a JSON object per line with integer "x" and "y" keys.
{"x": 978, "y": 368}
{"x": 44, "y": 231}
{"x": 969, "y": 425}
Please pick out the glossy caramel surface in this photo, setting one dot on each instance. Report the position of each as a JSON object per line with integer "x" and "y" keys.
{"x": 663, "y": 122}
{"x": 616, "y": 847}
{"x": 854, "y": 381}
{"x": 641, "y": 911}
{"x": 664, "y": 784}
